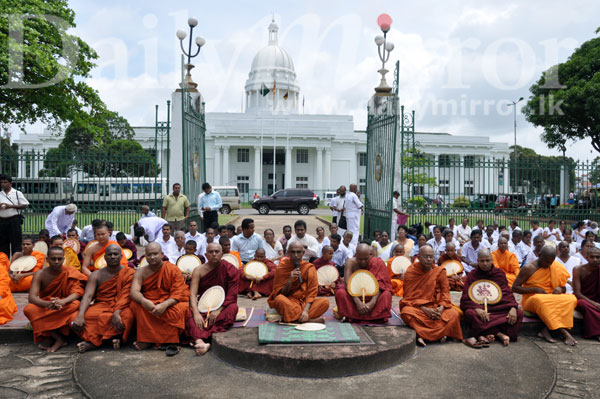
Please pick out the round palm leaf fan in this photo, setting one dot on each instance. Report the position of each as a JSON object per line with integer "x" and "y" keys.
{"x": 87, "y": 247}
{"x": 550, "y": 243}
{"x": 212, "y": 299}
{"x": 143, "y": 261}
{"x": 100, "y": 262}
{"x": 41, "y": 246}
{"x": 452, "y": 267}
{"x": 255, "y": 269}
{"x": 327, "y": 276}
{"x": 187, "y": 263}
{"x": 399, "y": 265}
{"x": 73, "y": 244}
{"x": 23, "y": 264}
{"x": 363, "y": 283}
{"x": 485, "y": 292}
{"x": 231, "y": 259}
{"x": 128, "y": 253}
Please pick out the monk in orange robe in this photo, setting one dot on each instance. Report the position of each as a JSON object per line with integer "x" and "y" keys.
{"x": 426, "y": 305}
{"x": 260, "y": 286}
{"x": 326, "y": 259}
{"x": 159, "y": 300}
{"x": 97, "y": 249}
{"x": 377, "y": 308}
{"x": 506, "y": 261}
{"x": 21, "y": 282}
{"x": 295, "y": 289}
{"x": 456, "y": 282}
{"x": 542, "y": 284}
{"x": 225, "y": 243}
{"x": 8, "y": 307}
{"x": 397, "y": 282}
{"x": 54, "y": 301}
{"x": 110, "y": 315}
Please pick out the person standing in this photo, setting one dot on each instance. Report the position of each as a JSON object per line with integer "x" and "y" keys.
{"x": 398, "y": 216}
{"x": 210, "y": 204}
{"x": 60, "y": 220}
{"x": 333, "y": 206}
{"x": 353, "y": 209}
{"x": 440, "y": 201}
{"x": 176, "y": 208}
{"x": 12, "y": 204}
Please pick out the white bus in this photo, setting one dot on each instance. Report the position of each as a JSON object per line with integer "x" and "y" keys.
{"x": 119, "y": 193}
{"x": 44, "y": 193}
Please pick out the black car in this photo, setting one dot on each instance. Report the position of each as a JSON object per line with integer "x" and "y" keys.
{"x": 290, "y": 199}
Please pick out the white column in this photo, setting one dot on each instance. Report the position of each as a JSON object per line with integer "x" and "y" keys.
{"x": 257, "y": 170}
{"x": 217, "y": 166}
{"x": 319, "y": 172}
{"x": 288, "y": 167}
{"x": 327, "y": 169}
{"x": 225, "y": 164}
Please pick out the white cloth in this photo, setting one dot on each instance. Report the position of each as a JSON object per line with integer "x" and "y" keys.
{"x": 521, "y": 250}
{"x": 581, "y": 258}
{"x": 200, "y": 242}
{"x": 438, "y": 247}
{"x": 470, "y": 255}
{"x": 395, "y": 219}
{"x": 579, "y": 236}
{"x": 340, "y": 255}
{"x": 383, "y": 253}
{"x": 454, "y": 230}
{"x": 13, "y": 197}
{"x": 333, "y": 204}
{"x": 510, "y": 230}
{"x": 464, "y": 233}
{"x": 536, "y": 232}
{"x": 353, "y": 212}
{"x": 87, "y": 233}
{"x": 200, "y": 211}
{"x": 531, "y": 256}
{"x": 270, "y": 252}
{"x": 169, "y": 248}
{"x": 351, "y": 248}
{"x": 552, "y": 233}
{"x": 78, "y": 230}
{"x": 511, "y": 246}
{"x": 486, "y": 238}
{"x": 309, "y": 242}
{"x": 571, "y": 263}
{"x": 58, "y": 222}
{"x": 574, "y": 248}
{"x": 152, "y": 226}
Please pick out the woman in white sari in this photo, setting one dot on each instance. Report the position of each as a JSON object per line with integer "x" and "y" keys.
{"x": 273, "y": 249}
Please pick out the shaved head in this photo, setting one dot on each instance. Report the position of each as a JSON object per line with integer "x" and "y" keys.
{"x": 483, "y": 253}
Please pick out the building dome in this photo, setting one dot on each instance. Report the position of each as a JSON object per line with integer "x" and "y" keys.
{"x": 271, "y": 85}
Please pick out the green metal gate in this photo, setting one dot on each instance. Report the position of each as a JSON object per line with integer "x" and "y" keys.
{"x": 194, "y": 147}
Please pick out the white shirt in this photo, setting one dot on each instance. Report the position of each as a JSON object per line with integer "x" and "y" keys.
{"x": 310, "y": 242}
{"x": 438, "y": 247}
{"x": 340, "y": 255}
{"x": 78, "y": 230}
{"x": 333, "y": 204}
{"x": 536, "y": 232}
{"x": 531, "y": 256}
{"x": 200, "y": 211}
{"x": 87, "y": 233}
{"x": 14, "y": 197}
{"x": 571, "y": 263}
{"x": 573, "y": 248}
{"x": 351, "y": 248}
{"x": 152, "y": 226}
{"x": 272, "y": 252}
{"x": 454, "y": 230}
{"x": 552, "y": 237}
{"x": 169, "y": 249}
{"x": 58, "y": 222}
{"x": 510, "y": 230}
{"x": 383, "y": 253}
{"x": 486, "y": 239}
{"x": 576, "y": 235}
{"x": 200, "y": 242}
{"x": 464, "y": 233}
{"x": 470, "y": 255}
{"x": 352, "y": 204}
{"x": 521, "y": 250}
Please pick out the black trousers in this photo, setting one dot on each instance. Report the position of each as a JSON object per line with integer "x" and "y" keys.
{"x": 210, "y": 217}
{"x": 11, "y": 235}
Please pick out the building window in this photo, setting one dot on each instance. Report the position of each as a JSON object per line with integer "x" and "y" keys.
{"x": 243, "y": 183}
{"x": 444, "y": 161}
{"x": 418, "y": 190}
{"x": 243, "y": 155}
{"x": 444, "y": 187}
{"x": 468, "y": 187}
{"x": 302, "y": 155}
{"x": 469, "y": 161}
{"x": 362, "y": 159}
{"x": 301, "y": 181}
{"x": 362, "y": 185}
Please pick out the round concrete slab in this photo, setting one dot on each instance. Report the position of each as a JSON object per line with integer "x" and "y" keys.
{"x": 451, "y": 370}
{"x": 391, "y": 346}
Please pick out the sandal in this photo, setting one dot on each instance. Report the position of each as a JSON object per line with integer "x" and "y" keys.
{"x": 476, "y": 345}
{"x": 172, "y": 350}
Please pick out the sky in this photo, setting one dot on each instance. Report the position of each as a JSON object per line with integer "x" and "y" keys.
{"x": 461, "y": 62}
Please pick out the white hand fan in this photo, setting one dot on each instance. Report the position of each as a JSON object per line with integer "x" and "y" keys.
{"x": 255, "y": 269}
{"x": 400, "y": 264}
{"x": 23, "y": 264}
{"x": 41, "y": 246}
{"x": 231, "y": 259}
{"x": 452, "y": 267}
{"x": 187, "y": 263}
{"x": 100, "y": 262}
{"x": 143, "y": 261}
{"x": 363, "y": 283}
{"x": 484, "y": 292}
{"x": 73, "y": 244}
{"x": 550, "y": 243}
{"x": 212, "y": 299}
{"x": 327, "y": 276}
{"x": 128, "y": 253}
{"x": 87, "y": 247}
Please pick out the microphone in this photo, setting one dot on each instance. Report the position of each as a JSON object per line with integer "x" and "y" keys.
{"x": 297, "y": 265}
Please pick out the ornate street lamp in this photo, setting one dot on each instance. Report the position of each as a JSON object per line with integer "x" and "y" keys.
{"x": 384, "y": 48}
{"x": 181, "y": 35}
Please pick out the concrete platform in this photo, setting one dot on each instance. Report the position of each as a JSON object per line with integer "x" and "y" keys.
{"x": 239, "y": 347}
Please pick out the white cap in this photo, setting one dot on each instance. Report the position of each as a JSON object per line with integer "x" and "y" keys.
{"x": 71, "y": 208}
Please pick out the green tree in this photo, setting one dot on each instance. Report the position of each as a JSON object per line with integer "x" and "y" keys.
{"x": 417, "y": 170}
{"x": 538, "y": 174}
{"x": 42, "y": 66}
{"x": 565, "y": 101}
{"x": 8, "y": 157}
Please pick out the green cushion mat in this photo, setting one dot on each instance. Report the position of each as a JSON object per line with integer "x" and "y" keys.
{"x": 274, "y": 333}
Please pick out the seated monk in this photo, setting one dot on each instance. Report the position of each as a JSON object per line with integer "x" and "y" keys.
{"x": 542, "y": 284}
{"x": 326, "y": 259}
{"x": 159, "y": 300}
{"x": 397, "y": 283}
{"x": 97, "y": 249}
{"x": 110, "y": 315}
{"x": 20, "y": 282}
{"x": 506, "y": 261}
{"x": 502, "y": 319}
{"x": 53, "y": 301}
{"x": 260, "y": 286}
{"x": 586, "y": 283}
{"x": 376, "y": 308}
{"x": 225, "y": 243}
{"x": 73, "y": 235}
{"x": 214, "y": 272}
{"x": 296, "y": 301}
{"x": 426, "y": 305}
{"x": 455, "y": 281}
{"x": 124, "y": 242}
{"x": 8, "y": 307}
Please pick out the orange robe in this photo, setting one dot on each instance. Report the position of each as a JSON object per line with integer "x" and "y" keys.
{"x": 291, "y": 307}
{"x": 429, "y": 289}
{"x": 72, "y": 259}
{"x": 111, "y": 295}
{"x": 455, "y": 284}
{"x": 397, "y": 284}
{"x": 265, "y": 287}
{"x": 101, "y": 252}
{"x": 44, "y": 320}
{"x": 556, "y": 311}
{"x": 8, "y": 307}
{"x": 166, "y": 283}
{"x": 25, "y": 283}
{"x": 508, "y": 263}
{"x": 237, "y": 255}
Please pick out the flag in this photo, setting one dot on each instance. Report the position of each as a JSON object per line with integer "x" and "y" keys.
{"x": 264, "y": 90}
{"x": 285, "y": 96}
{"x": 274, "y": 87}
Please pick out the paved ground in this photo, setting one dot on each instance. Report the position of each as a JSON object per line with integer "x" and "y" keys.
{"x": 277, "y": 221}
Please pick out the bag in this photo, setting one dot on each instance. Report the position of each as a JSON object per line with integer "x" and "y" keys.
{"x": 401, "y": 219}
{"x": 342, "y": 222}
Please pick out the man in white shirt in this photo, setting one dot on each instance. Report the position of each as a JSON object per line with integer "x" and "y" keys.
{"x": 511, "y": 246}
{"x": 12, "y": 203}
{"x": 152, "y": 227}
{"x": 534, "y": 254}
{"x": 197, "y": 237}
{"x": 396, "y": 210}
{"x": 568, "y": 261}
{"x": 551, "y": 233}
{"x": 513, "y": 227}
{"x": 333, "y": 206}
{"x": 453, "y": 227}
{"x": 464, "y": 233}
{"x": 521, "y": 249}
{"x": 59, "y": 221}
{"x": 353, "y": 211}
{"x": 311, "y": 245}
{"x": 248, "y": 242}
{"x": 471, "y": 250}
{"x": 489, "y": 236}
{"x": 146, "y": 212}
{"x": 168, "y": 245}
{"x": 340, "y": 253}
{"x": 536, "y": 229}
{"x": 180, "y": 242}
{"x": 347, "y": 243}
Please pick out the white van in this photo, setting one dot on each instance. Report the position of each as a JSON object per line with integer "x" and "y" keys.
{"x": 230, "y": 195}
{"x": 329, "y": 195}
